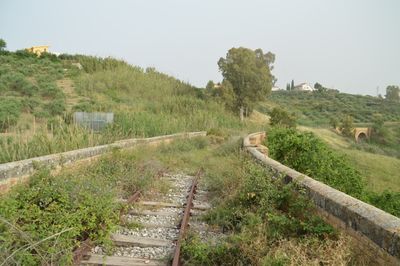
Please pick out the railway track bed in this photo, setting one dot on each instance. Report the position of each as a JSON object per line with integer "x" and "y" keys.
{"x": 154, "y": 226}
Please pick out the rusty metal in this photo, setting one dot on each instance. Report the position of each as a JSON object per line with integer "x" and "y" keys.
{"x": 185, "y": 221}
{"x": 81, "y": 251}
{"x": 134, "y": 197}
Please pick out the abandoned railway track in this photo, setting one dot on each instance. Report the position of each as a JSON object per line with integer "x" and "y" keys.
{"x": 153, "y": 228}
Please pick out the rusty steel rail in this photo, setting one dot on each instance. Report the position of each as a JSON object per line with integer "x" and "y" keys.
{"x": 185, "y": 220}
{"x": 81, "y": 251}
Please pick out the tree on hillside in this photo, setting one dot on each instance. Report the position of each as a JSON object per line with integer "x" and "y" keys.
{"x": 280, "y": 117}
{"x": 393, "y": 93}
{"x": 3, "y": 44}
{"x": 379, "y": 132}
{"x": 319, "y": 87}
{"x": 334, "y": 122}
{"x": 347, "y": 126}
{"x": 210, "y": 86}
{"x": 292, "y": 85}
{"x": 249, "y": 74}
{"x": 288, "y": 87}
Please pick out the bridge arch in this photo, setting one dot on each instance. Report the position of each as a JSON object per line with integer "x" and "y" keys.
{"x": 362, "y": 133}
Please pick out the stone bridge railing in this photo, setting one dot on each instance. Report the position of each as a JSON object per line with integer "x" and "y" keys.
{"x": 375, "y": 229}
{"x": 14, "y": 172}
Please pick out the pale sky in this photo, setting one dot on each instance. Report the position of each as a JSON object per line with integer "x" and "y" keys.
{"x": 353, "y": 46}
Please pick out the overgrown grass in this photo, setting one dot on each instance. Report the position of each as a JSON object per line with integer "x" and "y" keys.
{"x": 261, "y": 215}
{"x": 269, "y": 223}
{"x": 145, "y": 103}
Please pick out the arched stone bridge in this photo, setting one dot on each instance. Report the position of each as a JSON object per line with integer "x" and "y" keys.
{"x": 362, "y": 133}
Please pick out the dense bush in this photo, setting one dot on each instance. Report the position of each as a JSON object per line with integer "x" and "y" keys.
{"x": 10, "y": 110}
{"x": 280, "y": 117}
{"x": 50, "y": 90}
{"x": 43, "y": 220}
{"x": 56, "y": 107}
{"x": 309, "y": 155}
{"x": 387, "y": 200}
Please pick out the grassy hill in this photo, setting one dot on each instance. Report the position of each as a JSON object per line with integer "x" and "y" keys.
{"x": 380, "y": 171}
{"x": 376, "y": 161}
{"x": 39, "y": 94}
{"x": 316, "y": 109}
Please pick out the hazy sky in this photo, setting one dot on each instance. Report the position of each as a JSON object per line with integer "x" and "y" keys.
{"x": 353, "y": 46}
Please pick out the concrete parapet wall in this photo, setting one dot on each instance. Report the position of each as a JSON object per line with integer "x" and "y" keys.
{"x": 14, "y": 172}
{"x": 372, "y": 226}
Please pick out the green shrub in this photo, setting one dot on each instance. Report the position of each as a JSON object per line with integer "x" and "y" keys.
{"x": 279, "y": 117}
{"x": 346, "y": 125}
{"x": 387, "y": 200}
{"x": 56, "y": 107}
{"x": 309, "y": 155}
{"x": 10, "y": 110}
{"x": 50, "y": 90}
{"x": 41, "y": 222}
{"x": 49, "y": 205}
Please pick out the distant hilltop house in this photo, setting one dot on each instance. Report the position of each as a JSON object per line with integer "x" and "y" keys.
{"x": 38, "y": 50}
{"x": 276, "y": 88}
{"x": 303, "y": 87}
{"x": 217, "y": 85}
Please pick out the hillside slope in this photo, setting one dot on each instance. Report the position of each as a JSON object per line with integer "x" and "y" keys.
{"x": 39, "y": 94}
{"x": 316, "y": 109}
{"x": 380, "y": 171}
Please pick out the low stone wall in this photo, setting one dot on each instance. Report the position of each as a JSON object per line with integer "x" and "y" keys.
{"x": 14, "y": 172}
{"x": 378, "y": 230}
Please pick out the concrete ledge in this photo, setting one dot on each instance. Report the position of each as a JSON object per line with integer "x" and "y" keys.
{"x": 14, "y": 172}
{"x": 363, "y": 221}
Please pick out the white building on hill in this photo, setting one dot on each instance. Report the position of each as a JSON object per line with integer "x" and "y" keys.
{"x": 303, "y": 87}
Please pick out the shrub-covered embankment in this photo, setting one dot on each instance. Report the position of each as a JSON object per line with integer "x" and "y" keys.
{"x": 266, "y": 221}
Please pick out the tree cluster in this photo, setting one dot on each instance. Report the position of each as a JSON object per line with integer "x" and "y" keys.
{"x": 393, "y": 93}
{"x": 320, "y": 88}
{"x": 247, "y": 78}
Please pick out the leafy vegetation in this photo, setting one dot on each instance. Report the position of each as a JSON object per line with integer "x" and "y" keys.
{"x": 309, "y": 155}
{"x": 264, "y": 218}
{"x": 280, "y": 117}
{"x": 28, "y": 81}
{"x": 248, "y": 74}
{"x": 42, "y": 221}
{"x": 393, "y": 93}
